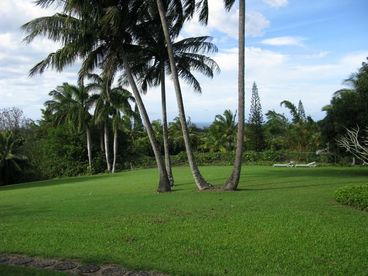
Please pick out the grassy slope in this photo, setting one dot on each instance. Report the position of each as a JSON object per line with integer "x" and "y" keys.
{"x": 283, "y": 221}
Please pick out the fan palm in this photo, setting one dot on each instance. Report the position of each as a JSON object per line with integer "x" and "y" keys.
{"x": 70, "y": 104}
{"x": 101, "y": 34}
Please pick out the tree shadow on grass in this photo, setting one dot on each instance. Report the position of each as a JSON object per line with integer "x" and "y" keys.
{"x": 54, "y": 182}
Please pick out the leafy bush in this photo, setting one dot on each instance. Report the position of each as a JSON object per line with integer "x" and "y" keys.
{"x": 355, "y": 196}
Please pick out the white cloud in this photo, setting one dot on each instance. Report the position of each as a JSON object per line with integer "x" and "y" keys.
{"x": 13, "y": 14}
{"x": 284, "y": 41}
{"x": 319, "y": 55}
{"x": 226, "y": 22}
{"x": 256, "y": 24}
{"x": 276, "y": 3}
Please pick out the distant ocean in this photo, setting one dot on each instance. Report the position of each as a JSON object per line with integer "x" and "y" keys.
{"x": 202, "y": 124}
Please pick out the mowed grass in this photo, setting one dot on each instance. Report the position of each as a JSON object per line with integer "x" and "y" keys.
{"x": 282, "y": 221}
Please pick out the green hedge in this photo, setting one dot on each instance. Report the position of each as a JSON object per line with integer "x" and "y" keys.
{"x": 355, "y": 196}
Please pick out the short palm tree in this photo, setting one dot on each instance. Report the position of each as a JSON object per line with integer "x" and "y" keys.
{"x": 70, "y": 104}
{"x": 110, "y": 103}
{"x": 121, "y": 115}
{"x": 224, "y": 131}
{"x": 10, "y": 158}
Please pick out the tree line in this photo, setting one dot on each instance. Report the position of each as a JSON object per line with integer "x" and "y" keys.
{"x": 65, "y": 143}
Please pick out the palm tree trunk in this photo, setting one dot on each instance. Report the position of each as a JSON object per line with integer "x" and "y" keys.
{"x": 115, "y": 149}
{"x": 233, "y": 182}
{"x": 102, "y": 140}
{"x": 89, "y": 151}
{"x": 165, "y": 133}
{"x": 199, "y": 180}
{"x": 107, "y": 152}
{"x": 164, "y": 184}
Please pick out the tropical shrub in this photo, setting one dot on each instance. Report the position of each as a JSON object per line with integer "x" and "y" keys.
{"x": 355, "y": 196}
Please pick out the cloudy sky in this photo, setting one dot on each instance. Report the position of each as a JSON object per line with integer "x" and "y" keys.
{"x": 296, "y": 49}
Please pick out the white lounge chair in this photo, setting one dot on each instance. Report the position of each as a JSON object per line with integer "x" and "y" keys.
{"x": 288, "y": 165}
{"x": 309, "y": 165}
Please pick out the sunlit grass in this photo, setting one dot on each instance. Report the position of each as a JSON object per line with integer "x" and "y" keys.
{"x": 282, "y": 221}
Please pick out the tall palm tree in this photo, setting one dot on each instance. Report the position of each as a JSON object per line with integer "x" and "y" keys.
{"x": 71, "y": 104}
{"x": 202, "y": 5}
{"x": 233, "y": 181}
{"x": 201, "y": 183}
{"x": 101, "y": 35}
{"x": 189, "y": 56}
{"x": 10, "y": 157}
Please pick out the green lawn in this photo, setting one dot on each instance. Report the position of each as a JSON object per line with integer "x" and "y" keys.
{"x": 282, "y": 221}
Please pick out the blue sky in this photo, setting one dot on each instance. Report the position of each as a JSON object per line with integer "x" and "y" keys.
{"x": 296, "y": 49}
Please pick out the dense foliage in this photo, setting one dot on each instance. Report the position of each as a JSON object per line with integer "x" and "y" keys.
{"x": 355, "y": 196}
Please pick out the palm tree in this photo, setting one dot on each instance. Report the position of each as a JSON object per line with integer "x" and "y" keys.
{"x": 155, "y": 64}
{"x": 71, "y": 104}
{"x": 294, "y": 111}
{"x": 110, "y": 103}
{"x": 101, "y": 35}
{"x": 202, "y": 5}
{"x": 223, "y": 130}
{"x": 10, "y": 157}
{"x": 198, "y": 178}
{"x": 233, "y": 182}
{"x": 121, "y": 112}
{"x": 102, "y": 111}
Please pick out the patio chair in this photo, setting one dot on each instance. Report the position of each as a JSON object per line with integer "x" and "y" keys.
{"x": 309, "y": 165}
{"x": 288, "y": 165}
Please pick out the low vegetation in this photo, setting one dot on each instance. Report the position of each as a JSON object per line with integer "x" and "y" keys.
{"x": 355, "y": 196}
{"x": 282, "y": 221}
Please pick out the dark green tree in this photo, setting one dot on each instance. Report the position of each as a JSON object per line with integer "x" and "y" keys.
{"x": 256, "y": 135}
{"x": 301, "y": 111}
{"x": 10, "y": 156}
{"x": 348, "y": 108}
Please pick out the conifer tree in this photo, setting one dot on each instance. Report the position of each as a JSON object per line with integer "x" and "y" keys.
{"x": 301, "y": 112}
{"x": 256, "y": 121}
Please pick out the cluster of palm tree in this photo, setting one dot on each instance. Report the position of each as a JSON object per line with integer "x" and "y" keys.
{"x": 221, "y": 133}
{"x": 71, "y": 104}
{"x": 301, "y": 135}
{"x": 135, "y": 39}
